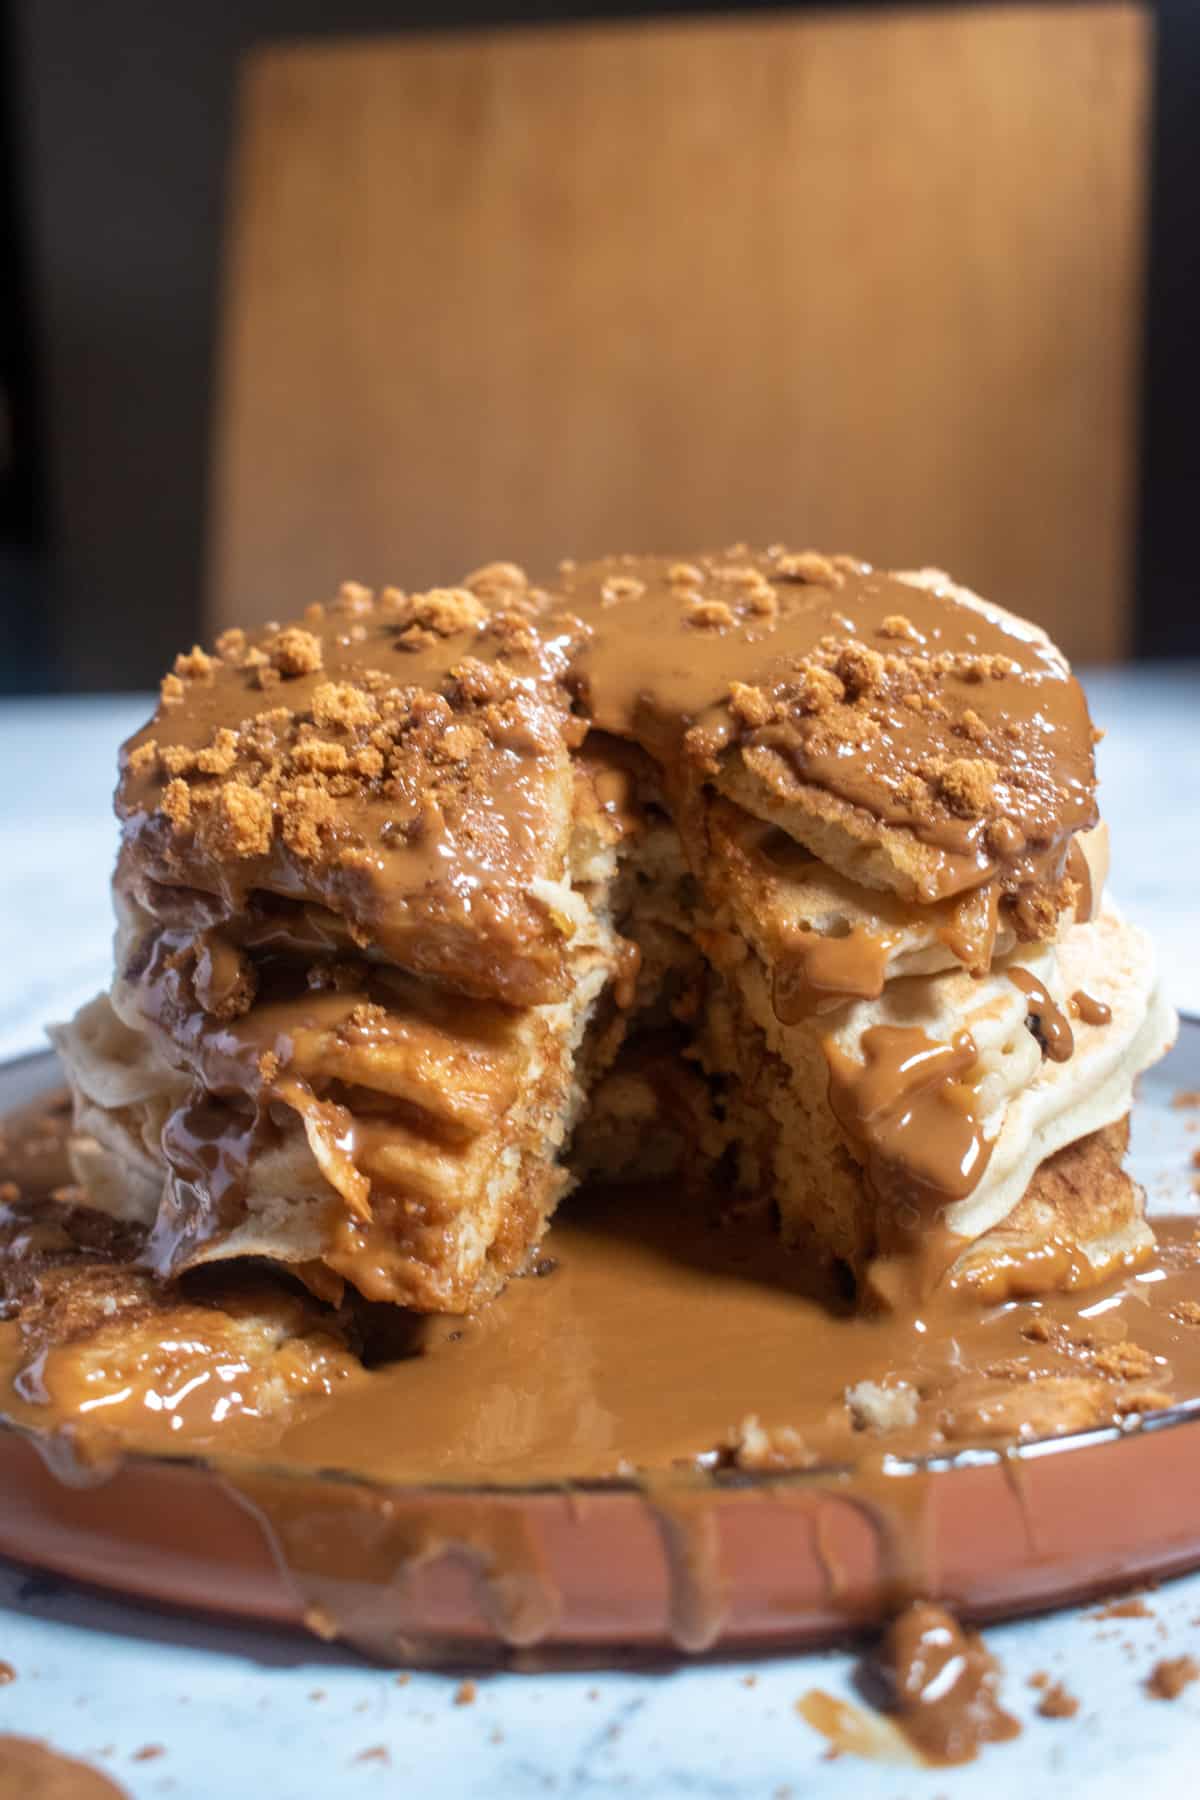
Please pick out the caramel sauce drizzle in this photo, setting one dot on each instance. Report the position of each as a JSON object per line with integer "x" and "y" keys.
{"x": 909, "y": 1107}
{"x": 819, "y": 973}
{"x": 910, "y": 1112}
{"x": 1089, "y": 1009}
{"x": 970, "y": 934}
{"x": 1051, "y": 1026}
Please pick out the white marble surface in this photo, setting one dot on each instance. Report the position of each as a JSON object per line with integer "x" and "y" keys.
{"x": 246, "y": 1716}
{"x": 243, "y": 1715}
{"x": 58, "y": 839}
{"x": 1150, "y": 794}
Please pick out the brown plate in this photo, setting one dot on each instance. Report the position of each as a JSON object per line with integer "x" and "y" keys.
{"x": 731, "y": 1561}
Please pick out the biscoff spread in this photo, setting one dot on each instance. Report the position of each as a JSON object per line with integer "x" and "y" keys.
{"x": 424, "y": 898}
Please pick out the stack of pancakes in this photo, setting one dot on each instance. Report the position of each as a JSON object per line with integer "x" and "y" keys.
{"x": 765, "y": 868}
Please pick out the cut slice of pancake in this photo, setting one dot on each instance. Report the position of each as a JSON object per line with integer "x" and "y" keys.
{"x": 403, "y": 1137}
{"x": 397, "y": 767}
{"x": 926, "y": 824}
{"x": 764, "y": 1119}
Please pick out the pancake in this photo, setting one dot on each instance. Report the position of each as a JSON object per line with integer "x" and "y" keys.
{"x": 91, "y": 1338}
{"x": 766, "y": 868}
{"x": 454, "y": 1107}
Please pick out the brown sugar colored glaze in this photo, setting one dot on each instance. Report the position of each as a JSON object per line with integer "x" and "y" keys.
{"x": 1049, "y": 1025}
{"x": 959, "y": 725}
{"x": 428, "y": 903}
{"x": 933, "y": 1688}
{"x": 940, "y": 1683}
{"x": 1092, "y": 1012}
{"x": 822, "y": 972}
{"x": 903, "y": 706}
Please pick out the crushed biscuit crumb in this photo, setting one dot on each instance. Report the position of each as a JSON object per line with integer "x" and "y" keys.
{"x": 1057, "y": 1702}
{"x": 1125, "y": 1361}
{"x": 306, "y": 814}
{"x": 743, "y": 576}
{"x": 817, "y": 690}
{"x": 1168, "y": 1678}
{"x": 294, "y": 651}
{"x": 709, "y": 615}
{"x": 874, "y": 1407}
{"x": 219, "y": 757}
{"x": 447, "y": 611}
{"x": 177, "y": 759}
{"x": 143, "y": 758}
{"x": 860, "y": 670}
{"x": 621, "y": 587}
{"x": 966, "y": 784}
{"x": 896, "y": 625}
{"x": 495, "y": 575}
{"x": 749, "y": 704}
{"x": 339, "y": 705}
{"x": 754, "y": 1447}
{"x": 237, "y": 823}
{"x": 809, "y": 565}
{"x": 176, "y": 804}
{"x": 195, "y": 665}
{"x": 353, "y": 597}
{"x": 231, "y": 643}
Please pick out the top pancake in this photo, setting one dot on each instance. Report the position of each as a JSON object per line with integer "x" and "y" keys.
{"x": 398, "y": 764}
{"x": 399, "y": 767}
{"x": 908, "y": 733}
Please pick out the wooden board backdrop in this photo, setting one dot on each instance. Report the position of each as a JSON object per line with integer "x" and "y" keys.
{"x": 870, "y": 281}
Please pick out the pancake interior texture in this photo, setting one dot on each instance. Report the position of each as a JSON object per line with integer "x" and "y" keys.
{"x": 761, "y": 868}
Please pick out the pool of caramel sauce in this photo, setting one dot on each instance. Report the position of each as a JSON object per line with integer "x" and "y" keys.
{"x": 653, "y": 1334}
{"x": 654, "y": 1341}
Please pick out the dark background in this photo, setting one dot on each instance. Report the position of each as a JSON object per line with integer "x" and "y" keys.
{"x": 115, "y": 120}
